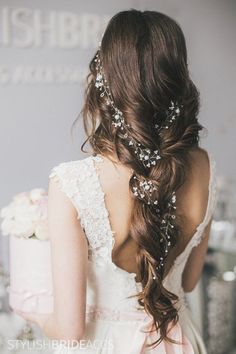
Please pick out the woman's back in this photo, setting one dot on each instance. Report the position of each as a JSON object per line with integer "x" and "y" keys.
{"x": 192, "y": 205}
{"x": 99, "y": 192}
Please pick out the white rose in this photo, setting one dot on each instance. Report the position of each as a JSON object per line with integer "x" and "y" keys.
{"x": 33, "y": 213}
{"x": 21, "y": 198}
{"x": 7, "y": 226}
{"x": 23, "y": 228}
{"x": 26, "y": 214}
{"x": 41, "y": 230}
{"x": 37, "y": 194}
{"x": 7, "y": 212}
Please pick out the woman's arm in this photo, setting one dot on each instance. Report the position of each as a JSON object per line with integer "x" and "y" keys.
{"x": 69, "y": 254}
{"x": 193, "y": 268}
{"x": 69, "y": 266}
{"x": 194, "y": 206}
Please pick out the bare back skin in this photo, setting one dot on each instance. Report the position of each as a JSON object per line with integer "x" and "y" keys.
{"x": 192, "y": 200}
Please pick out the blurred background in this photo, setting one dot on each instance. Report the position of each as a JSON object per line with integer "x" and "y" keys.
{"x": 45, "y": 50}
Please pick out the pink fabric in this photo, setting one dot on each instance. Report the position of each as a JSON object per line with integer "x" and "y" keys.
{"x": 140, "y": 337}
{"x": 26, "y": 301}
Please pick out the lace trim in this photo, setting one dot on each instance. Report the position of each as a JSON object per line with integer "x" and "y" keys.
{"x": 79, "y": 180}
{"x": 66, "y": 175}
{"x": 110, "y": 314}
{"x": 101, "y": 214}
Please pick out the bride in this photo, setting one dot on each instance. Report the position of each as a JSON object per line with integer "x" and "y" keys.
{"x": 129, "y": 224}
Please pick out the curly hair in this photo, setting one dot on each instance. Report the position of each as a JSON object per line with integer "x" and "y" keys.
{"x": 145, "y": 61}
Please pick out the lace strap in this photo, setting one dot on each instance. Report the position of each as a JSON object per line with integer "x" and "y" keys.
{"x": 79, "y": 180}
{"x": 68, "y": 176}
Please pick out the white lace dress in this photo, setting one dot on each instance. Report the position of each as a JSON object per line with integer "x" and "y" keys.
{"x": 116, "y": 324}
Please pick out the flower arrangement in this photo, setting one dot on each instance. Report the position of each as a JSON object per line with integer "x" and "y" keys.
{"x": 26, "y": 215}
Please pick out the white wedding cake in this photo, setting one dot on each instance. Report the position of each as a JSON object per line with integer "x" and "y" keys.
{"x": 30, "y": 287}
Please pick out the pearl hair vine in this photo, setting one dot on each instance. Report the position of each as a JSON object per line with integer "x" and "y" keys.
{"x": 171, "y": 114}
{"x": 145, "y": 191}
{"x": 167, "y": 225}
{"x": 145, "y": 155}
{"x": 148, "y": 157}
{"x": 144, "y": 188}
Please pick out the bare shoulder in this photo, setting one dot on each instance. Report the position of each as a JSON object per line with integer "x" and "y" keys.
{"x": 199, "y": 162}
{"x": 194, "y": 194}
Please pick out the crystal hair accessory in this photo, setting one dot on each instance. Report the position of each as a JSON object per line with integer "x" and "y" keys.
{"x": 172, "y": 113}
{"x": 144, "y": 154}
{"x": 167, "y": 225}
{"x": 144, "y": 188}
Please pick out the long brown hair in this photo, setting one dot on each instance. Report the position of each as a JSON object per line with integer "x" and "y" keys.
{"x": 145, "y": 61}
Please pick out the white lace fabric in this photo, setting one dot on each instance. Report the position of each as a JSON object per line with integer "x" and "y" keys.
{"x": 80, "y": 182}
{"x": 108, "y": 285}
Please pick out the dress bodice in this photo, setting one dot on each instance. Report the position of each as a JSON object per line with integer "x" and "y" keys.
{"x": 107, "y": 283}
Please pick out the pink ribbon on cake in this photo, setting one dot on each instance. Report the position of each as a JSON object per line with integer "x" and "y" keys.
{"x": 41, "y": 302}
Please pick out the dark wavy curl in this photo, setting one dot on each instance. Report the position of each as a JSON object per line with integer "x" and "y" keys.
{"x": 144, "y": 59}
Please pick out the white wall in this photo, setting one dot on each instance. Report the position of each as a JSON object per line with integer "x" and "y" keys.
{"x": 210, "y": 29}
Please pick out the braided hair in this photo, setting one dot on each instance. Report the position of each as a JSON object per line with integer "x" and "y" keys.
{"x": 141, "y": 104}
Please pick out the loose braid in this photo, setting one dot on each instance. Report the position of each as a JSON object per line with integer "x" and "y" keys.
{"x": 144, "y": 59}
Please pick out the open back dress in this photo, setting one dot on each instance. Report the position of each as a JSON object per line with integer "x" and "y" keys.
{"x": 115, "y": 322}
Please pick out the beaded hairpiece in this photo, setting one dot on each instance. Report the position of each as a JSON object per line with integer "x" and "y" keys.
{"x": 149, "y": 158}
{"x": 144, "y": 191}
{"x": 145, "y": 155}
